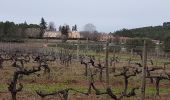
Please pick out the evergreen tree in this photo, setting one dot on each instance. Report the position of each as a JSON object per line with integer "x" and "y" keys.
{"x": 23, "y": 29}
{"x": 75, "y": 27}
{"x": 64, "y": 31}
{"x": 43, "y": 27}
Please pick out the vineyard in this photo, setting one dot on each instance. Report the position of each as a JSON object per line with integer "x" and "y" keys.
{"x": 83, "y": 71}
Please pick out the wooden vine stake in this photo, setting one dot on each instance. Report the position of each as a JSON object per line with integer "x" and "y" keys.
{"x": 144, "y": 61}
{"x": 107, "y": 65}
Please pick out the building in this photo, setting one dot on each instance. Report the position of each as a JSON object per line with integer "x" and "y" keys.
{"x": 106, "y": 37}
{"x": 74, "y": 34}
{"x": 57, "y": 34}
{"x": 110, "y": 37}
{"x": 124, "y": 39}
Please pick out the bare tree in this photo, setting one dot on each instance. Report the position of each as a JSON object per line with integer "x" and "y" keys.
{"x": 90, "y": 32}
{"x": 89, "y": 28}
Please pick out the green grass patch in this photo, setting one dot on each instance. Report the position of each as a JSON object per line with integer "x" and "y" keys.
{"x": 55, "y": 87}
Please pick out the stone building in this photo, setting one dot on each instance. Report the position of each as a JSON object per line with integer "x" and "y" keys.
{"x": 74, "y": 34}
{"x": 57, "y": 34}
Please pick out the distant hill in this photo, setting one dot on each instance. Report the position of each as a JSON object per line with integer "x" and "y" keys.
{"x": 153, "y": 32}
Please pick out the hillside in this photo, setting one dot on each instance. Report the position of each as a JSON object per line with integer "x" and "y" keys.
{"x": 153, "y": 32}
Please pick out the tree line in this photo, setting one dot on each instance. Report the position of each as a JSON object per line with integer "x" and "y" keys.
{"x": 161, "y": 33}
{"x": 10, "y": 31}
{"x": 153, "y": 32}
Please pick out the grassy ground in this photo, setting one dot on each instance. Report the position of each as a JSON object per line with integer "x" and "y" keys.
{"x": 62, "y": 77}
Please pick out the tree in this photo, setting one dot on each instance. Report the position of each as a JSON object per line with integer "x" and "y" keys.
{"x": 1, "y": 28}
{"x": 125, "y": 33}
{"x": 23, "y": 27}
{"x": 153, "y": 32}
{"x": 6, "y": 27}
{"x": 60, "y": 27}
{"x": 9, "y": 28}
{"x": 10, "y": 31}
{"x": 166, "y": 45}
{"x": 89, "y": 28}
{"x": 74, "y": 28}
{"x": 90, "y": 32}
{"x": 95, "y": 36}
{"x": 42, "y": 27}
{"x": 51, "y": 26}
{"x": 64, "y": 31}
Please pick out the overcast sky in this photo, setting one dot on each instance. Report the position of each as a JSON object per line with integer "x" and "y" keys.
{"x": 106, "y": 15}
